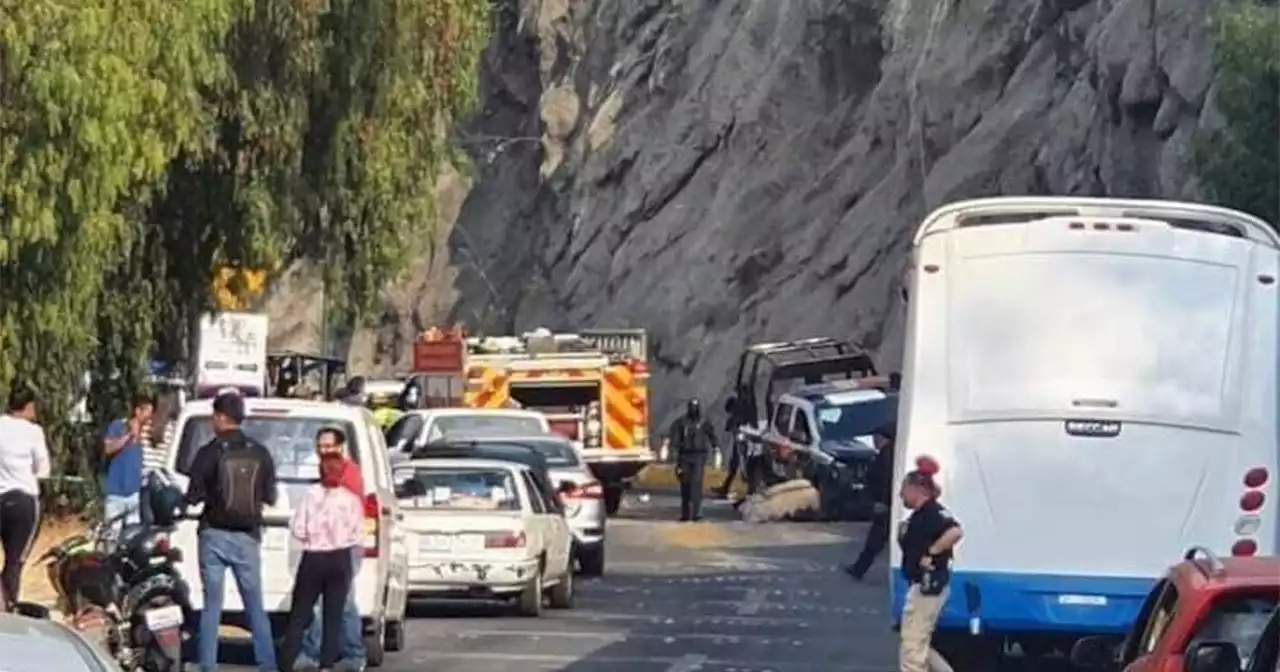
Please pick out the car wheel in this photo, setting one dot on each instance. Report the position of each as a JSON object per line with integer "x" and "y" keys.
{"x": 394, "y": 639}
{"x": 591, "y": 561}
{"x": 561, "y": 596}
{"x": 530, "y": 601}
{"x": 374, "y": 651}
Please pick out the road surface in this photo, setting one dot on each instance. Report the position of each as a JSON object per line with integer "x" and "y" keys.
{"x": 716, "y": 596}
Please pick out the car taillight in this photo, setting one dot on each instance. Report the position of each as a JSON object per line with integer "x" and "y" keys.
{"x": 504, "y": 540}
{"x": 1244, "y": 548}
{"x": 1256, "y": 477}
{"x": 372, "y": 523}
{"x": 592, "y": 490}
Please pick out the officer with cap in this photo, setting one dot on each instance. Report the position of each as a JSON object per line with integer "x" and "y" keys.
{"x": 693, "y": 440}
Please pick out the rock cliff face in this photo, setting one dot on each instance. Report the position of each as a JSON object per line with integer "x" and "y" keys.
{"x": 723, "y": 172}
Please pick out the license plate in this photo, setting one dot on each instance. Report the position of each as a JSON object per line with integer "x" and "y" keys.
{"x": 164, "y": 618}
{"x": 469, "y": 542}
{"x": 275, "y": 539}
{"x": 435, "y": 543}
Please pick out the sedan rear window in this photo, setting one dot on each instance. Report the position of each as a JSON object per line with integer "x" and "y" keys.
{"x": 290, "y": 439}
{"x": 459, "y": 489}
{"x": 485, "y": 424}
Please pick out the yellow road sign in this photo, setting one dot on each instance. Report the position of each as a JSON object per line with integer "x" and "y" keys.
{"x": 237, "y": 288}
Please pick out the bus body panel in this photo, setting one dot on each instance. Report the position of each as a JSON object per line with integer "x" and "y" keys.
{"x": 1028, "y": 345}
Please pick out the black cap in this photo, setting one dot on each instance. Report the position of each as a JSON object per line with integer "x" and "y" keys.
{"x": 230, "y": 404}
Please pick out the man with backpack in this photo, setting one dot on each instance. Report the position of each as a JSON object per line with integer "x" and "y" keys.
{"x": 234, "y": 477}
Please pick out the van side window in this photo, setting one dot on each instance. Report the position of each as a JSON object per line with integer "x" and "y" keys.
{"x": 800, "y": 431}
{"x": 536, "y": 501}
{"x": 404, "y": 432}
{"x": 782, "y": 419}
{"x": 1239, "y": 618}
{"x": 1165, "y": 609}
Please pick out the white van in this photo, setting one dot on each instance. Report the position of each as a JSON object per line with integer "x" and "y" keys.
{"x": 1097, "y": 379}
{"x": 288, "y": 427}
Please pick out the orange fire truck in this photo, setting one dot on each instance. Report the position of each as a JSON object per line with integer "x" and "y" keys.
{"x": 592, "y": 385}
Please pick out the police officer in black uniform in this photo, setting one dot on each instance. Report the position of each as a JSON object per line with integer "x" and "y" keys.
{"x": 692, "y": 440}
{"x": 742, "y": 412}
{"x": 880, "y": 484}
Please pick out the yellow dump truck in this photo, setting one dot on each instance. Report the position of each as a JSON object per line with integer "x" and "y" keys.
{"x": 592, "y": 385}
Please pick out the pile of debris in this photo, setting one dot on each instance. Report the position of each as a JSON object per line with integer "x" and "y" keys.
{"x": 795, "y": 500}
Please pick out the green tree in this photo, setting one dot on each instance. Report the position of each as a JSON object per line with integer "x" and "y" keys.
{"x": 96, "y": 97}
{"x": 143, "y": 145}
{"x": 1239, "y": 163}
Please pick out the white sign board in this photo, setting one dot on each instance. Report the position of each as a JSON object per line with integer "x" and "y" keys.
{"x": 232, "y": 351}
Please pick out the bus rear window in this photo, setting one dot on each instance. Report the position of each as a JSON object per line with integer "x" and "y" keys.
{"x": 1139, "y": 336}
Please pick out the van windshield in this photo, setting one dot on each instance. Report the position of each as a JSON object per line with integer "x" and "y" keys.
{"x": 290, "y": 439}
{"x": 850, "y": 420}
{"x": 1141, "y": 337}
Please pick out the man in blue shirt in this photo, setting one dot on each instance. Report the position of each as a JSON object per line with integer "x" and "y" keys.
{"x": 122, "y": 447}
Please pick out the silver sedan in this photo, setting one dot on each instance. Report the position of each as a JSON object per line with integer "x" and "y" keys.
{"x": 581, "y": 493}
{"x": 35, "y": 645}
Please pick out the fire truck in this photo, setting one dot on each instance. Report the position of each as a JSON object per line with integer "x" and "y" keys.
{"x": 592, "y": 386}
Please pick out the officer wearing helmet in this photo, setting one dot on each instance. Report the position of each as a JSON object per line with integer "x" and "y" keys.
{"x": 693, "y": 439}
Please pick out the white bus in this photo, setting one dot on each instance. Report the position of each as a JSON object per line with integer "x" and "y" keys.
{"x": 1097, "y": 379}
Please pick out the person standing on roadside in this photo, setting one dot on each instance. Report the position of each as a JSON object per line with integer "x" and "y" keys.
{"x": 928, "y": 539}
{"x": 24, "y": 460}
{"x": 880, "y": 484}
{"x": 329, "y": 525}
{"x": 331, "y": 443}
{"x": 693, "y": 439}
{"x": 123, "y": 447}
{"x": 234, "y": 477}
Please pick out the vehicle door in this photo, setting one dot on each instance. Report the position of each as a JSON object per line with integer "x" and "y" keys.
{"x": 404, "y": 433}
{"x": 1154, "y": 620}
{"x": 397, "y": 548}
{"x": 536, "y": 526}
{"x": 802, "y": 432}
{"x": 779, "y": 435}
{"x": 559, "y": 536}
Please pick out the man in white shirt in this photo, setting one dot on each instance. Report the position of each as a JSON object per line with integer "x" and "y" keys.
{"x": 24, "y": 459}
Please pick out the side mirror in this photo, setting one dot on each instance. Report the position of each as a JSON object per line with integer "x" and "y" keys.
{"x": 1213, "y": 657}
{"x": 1096, "y": 653}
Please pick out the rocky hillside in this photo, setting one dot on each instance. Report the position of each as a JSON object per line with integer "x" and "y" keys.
{"x": 722, "y": 172}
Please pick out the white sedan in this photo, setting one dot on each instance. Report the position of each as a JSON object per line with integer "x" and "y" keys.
{"x": 484, "y": 529}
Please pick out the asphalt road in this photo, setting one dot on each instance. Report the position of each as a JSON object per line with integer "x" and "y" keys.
{"x": 715, "y": 596}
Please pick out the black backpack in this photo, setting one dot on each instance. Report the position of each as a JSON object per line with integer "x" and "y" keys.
{"x": 238, "y": 474}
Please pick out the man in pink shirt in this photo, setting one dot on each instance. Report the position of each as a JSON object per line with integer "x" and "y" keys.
{"x": 332, "y": 441}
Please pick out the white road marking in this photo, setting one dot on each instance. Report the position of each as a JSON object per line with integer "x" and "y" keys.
{"x": 689, "y": 663}
{"x": 754, "y": 600}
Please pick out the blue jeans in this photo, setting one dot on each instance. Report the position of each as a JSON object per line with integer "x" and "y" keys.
{"x": 352, "y": 630}
{"x": 117, "y": 505}
{"x": 220, "y": 550}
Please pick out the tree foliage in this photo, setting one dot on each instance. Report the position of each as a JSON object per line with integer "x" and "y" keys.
{"x": 1239, "y": 163}
{"x": 144, "y": 145}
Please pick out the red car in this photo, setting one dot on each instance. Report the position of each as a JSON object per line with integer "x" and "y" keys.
{"x": 1208, "y": 614}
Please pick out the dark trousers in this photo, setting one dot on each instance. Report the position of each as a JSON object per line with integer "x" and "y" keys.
{"x": 874, "y": 545}
{"x": 19, "y": 521}
{"x": 749, "y": 466}
{"x": 324, "y": 574}
{"x": 690, "y": 489}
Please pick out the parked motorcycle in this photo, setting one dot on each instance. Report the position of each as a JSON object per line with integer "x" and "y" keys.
{"x": 119, "y": 585}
